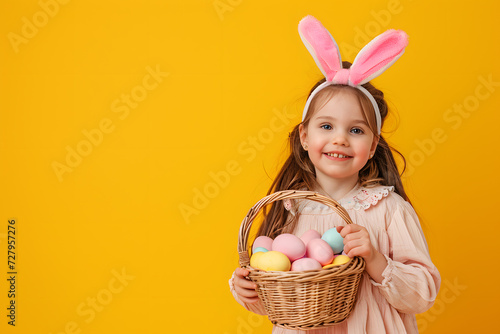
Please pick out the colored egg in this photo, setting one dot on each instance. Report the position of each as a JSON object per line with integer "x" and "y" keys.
{"x": 341, "y": 259}
{"x": 255, "y": 259}
{"x": 309, "y": 235}
{"x": 334, "y": 239}
{"x": 305, "y": 264}
{"x": 262, "y": 241}
{"x": 290, "y": 245}
{"x": 273, "y": 261}
{"x": 259, "y": 249}
{"x": 320, "y": 250}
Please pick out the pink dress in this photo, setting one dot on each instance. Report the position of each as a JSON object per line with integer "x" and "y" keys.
{"x": 411, "y": 281}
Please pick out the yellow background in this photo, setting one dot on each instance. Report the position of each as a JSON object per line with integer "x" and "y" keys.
{"x": 230, "y": 67}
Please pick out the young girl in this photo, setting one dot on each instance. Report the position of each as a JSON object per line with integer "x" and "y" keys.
{"x": 337, "y": 150}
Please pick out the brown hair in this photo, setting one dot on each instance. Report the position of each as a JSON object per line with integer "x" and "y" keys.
{"x": 298, "y": 171}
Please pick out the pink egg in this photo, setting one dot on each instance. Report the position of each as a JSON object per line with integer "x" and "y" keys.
{"x": 290, "y": 245}
{"x": 320, "y": 250}
{"x": 305, "y": 264}
{"x": 262, "y": 241}
{"x": 309, "y": 235}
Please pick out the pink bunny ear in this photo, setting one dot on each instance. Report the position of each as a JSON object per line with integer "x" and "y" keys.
{"x": 321, "y": 46}
{"x": 377, "y": 56}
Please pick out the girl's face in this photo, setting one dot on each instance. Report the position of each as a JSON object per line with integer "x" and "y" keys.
{"x": 339, "y": 140}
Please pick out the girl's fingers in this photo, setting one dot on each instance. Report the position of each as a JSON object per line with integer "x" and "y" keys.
{"x": 244, "y": 287}
{"x": 356, "y": 241}
{"x": 348, "y": 246}
{"x": 245, "y": 292}
{"x": 348, "y": 229}
{"x": 357, "y": 248}
{"x": 241, "y": 272}
{"x": 356, "y": 235}
{"x": 353, "y": 232}
{"x": 241, "y": 279}
{"x": 244, "y": 283}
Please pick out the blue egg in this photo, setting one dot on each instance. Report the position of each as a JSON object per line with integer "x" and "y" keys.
{"x": 334, "y": 239}
{"x": 259, "y": 249}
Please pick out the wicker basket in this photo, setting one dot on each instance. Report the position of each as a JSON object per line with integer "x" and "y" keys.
{"x": 309, "y": 299}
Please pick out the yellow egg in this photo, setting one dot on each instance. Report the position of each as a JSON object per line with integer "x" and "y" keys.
{"x": 341, "y": 259}
{"x": 274, "y": 261}
{"x": 255, "y": 258}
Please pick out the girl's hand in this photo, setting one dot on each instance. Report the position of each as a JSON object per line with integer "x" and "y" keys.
{"x": 357, "y": 241}
{"x": 244, "y": 288}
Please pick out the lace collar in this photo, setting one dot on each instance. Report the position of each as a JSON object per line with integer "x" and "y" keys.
{"x": 358, "y": 198}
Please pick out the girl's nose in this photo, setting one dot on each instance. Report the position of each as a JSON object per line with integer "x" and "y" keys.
{"x": 340, "y": 139}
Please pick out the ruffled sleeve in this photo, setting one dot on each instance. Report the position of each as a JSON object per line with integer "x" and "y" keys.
{"x": 257, "y": 308}
{"x": 410, "y": 280}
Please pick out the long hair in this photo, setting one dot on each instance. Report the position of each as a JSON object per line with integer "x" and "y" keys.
{"x": 298, "y": 171}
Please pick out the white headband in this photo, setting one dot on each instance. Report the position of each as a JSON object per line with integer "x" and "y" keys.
{"x": 373, "y": 59}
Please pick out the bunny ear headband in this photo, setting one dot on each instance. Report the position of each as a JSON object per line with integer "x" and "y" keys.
{"x": 371, "y": 61}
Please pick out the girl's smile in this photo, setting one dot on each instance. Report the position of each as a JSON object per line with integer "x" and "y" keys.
{"x": 337, "y": 156}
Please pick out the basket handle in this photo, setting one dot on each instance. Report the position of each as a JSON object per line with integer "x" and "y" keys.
{"x": 277, "y": 196}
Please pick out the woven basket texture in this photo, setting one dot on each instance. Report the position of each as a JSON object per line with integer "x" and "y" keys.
{"x": 303, "y": 300}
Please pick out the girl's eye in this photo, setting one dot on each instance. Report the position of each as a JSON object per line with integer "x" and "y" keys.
{"x": 357, "y": 131}
{"x": 326, "y": 126}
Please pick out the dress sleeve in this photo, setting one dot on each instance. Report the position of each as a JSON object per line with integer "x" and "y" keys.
{"x": 257, "y": 308}
{"x": 410, "y": 280}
